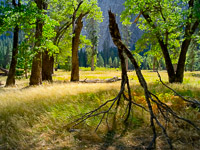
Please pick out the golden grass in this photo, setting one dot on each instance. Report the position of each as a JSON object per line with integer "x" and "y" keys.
{"x": 51, "y": 91}
{"x": 38, "y": 117}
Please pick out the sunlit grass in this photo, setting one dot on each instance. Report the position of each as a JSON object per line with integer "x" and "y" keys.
{"x": 39, "y": 117}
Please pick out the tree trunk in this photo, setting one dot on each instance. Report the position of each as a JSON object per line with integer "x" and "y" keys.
{"x": 75, "y": 44}
{"x": 126, "y": 60}
{"x": 189, "y": 31}
{"x": 92, "y": 59}
{"x": 11, "y": 75}
{"x": 191, "y": 64}
{"x": 47, "y": 66}
{"x": 92, "y": 63}
{"x": 36, "y": 72}
{"x": 154, "y": 64}
{"x": 168, "y": 62}
{"x": 26, "y": 70}
{"x": 6, "y": 59}
{"x": 181, "y": 61}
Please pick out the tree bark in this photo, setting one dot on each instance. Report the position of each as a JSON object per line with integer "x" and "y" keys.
{"x": 92, "y": 63}
{"x": 47, "y": 66}
{"x": 168, "y": 62}
{"x": 189, "y": 31}
{"x": 126, "y": 60}
{"x": 155, "y": 62}
{"x": 11, "y": 75}
{"x": 36, "y": 72}
{"x": 75, "y": 44}
{"x": 92, "y": 59}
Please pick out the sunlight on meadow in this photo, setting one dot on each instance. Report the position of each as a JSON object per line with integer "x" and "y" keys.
{"x": 39, "y": 116}
{"x": 62, "y": 86}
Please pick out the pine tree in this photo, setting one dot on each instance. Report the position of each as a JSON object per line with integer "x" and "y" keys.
{"x": 110, "y": 62}
{"x": 100, "y": 61}
{"x": 92, "y": 30}
{"x": 115, "y": 63}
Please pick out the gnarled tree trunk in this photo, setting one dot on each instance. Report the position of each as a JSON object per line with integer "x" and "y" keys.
{"x": 36, "y": 72}
{"x": 75, "y": 44}
{"x": 92, "y": 59}
{"x": 47, "y": 66}
{"x": 11, "y": 75}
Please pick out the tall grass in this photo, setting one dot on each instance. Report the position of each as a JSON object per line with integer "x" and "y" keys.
{"x": 40, "y": 117}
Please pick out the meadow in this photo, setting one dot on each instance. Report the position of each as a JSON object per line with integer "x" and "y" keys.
{"x": 41, "y": 117}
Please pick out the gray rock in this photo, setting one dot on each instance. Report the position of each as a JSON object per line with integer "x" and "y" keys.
{"x": 117, "y": 7}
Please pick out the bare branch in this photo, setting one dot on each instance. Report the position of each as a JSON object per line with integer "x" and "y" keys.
{"x": 137, "y": 18}
{"x": 196, "y": 102}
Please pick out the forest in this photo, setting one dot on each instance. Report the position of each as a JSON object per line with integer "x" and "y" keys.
{"x": 99, "y": 74}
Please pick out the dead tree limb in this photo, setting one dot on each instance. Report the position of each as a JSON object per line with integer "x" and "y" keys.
{"x": 110, "y": 80}
{"x": 193, "y": 101}
{"x": 148, "y": 95}
{"x": 5, "y": 71}
{"x": 150, "y": 98}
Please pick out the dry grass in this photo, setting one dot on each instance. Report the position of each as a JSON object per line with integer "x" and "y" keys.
{"x": 38, "y": 117}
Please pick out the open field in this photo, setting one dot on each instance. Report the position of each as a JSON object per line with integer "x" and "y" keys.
{"x": 40, "y": 117}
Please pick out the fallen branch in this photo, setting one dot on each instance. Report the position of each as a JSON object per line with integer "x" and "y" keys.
{"x": 110, "y": 80}
{"x": 5, "y": 71}
{"x": 193, "y": 101}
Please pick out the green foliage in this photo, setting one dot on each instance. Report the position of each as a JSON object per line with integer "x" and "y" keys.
{"x": 126, "y": 34}
{"x": 116, "y": 62}
{"x": 168, "y": 23}
{"x": 100, "y": 61}
{"x": 25, "y": 56}
{"x": 19, "y": 72}
{"x": 193, "y": 57}
{"x": 92, "y": 30}
{"x": 23, "y": 15}
{"x": 138, "y": 58}
{"x": 62, "y": 11}
{"x": 5, "y": 52}
{"x": 110, "y": 63}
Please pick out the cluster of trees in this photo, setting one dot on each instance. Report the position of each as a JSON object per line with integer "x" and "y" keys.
{"x": 5, "y": 52}
{"x": 169, "y": 29}
{"x": 108, "y": 58}
{"x": 46, "y": 34}
{"x": 50, "y": 28}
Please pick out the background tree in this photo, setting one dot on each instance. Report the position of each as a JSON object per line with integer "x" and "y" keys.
{"x": 126, "y": 34}
{"x": 100, "y": 61}
{"x": 116, "y": 63}
{"x": 15, "y": 15}
{"x": 91, "y": 9}
{"x": 5, "y": 52}
{"x": 36, "y": 72}
{"x": 11, "y": 75}
{"x": 191, "y": 57}
{"x": 110, "y": 63}
{"x": 171, "y": 23}
{"x": 61, "y": 11}
{"x": 92, "y": 30}
{"x": 25, "y": 57}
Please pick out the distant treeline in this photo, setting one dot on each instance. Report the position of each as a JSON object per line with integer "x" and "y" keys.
{"x": 108, "y": 58}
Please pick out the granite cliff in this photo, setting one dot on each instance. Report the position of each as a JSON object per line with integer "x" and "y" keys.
{"x": 117, "y": 7}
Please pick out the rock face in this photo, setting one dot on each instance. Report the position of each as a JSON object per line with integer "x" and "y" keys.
{"x": 116, "y": 7}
